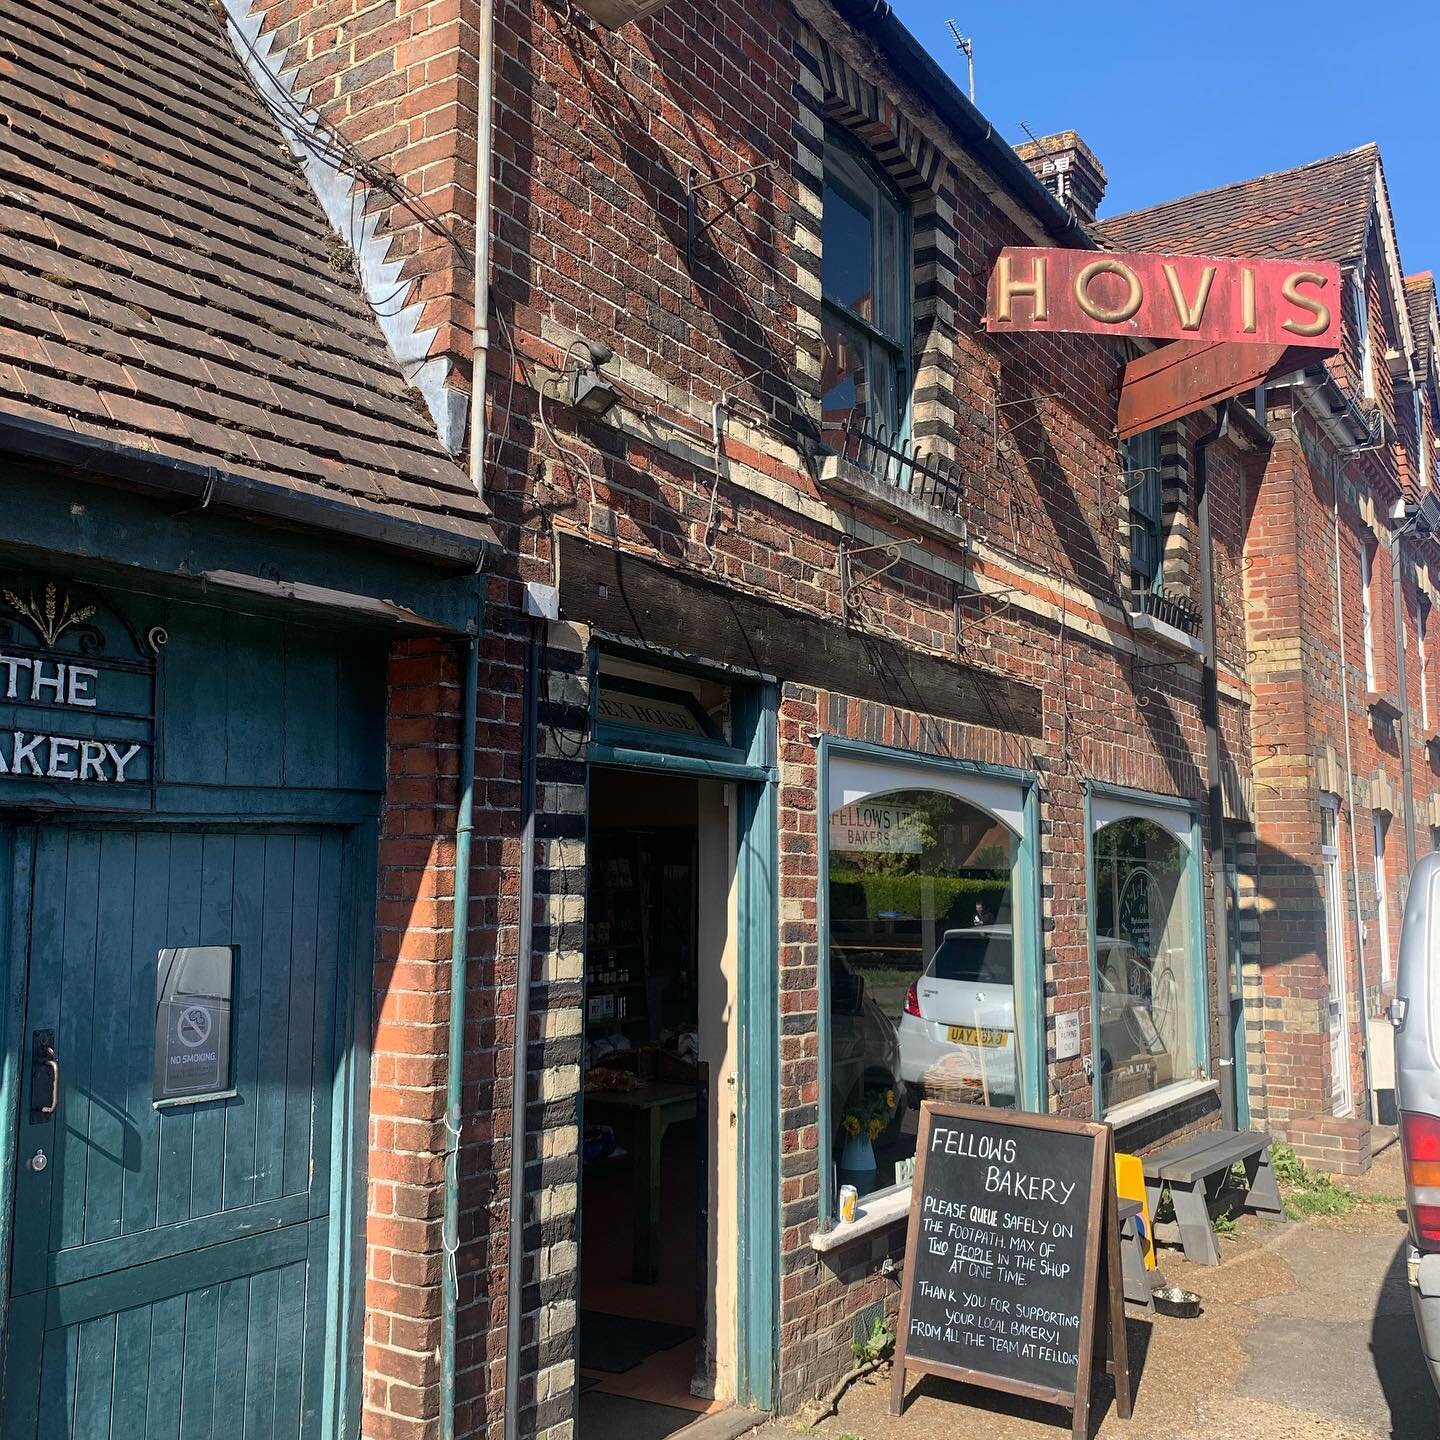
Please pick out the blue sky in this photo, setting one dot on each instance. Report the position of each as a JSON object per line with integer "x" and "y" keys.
{"x": 1176, "y": 97}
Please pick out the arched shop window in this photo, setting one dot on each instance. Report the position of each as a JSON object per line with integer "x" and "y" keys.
{"x": 923, "y": 961}
{"x": 1149, "y": 995}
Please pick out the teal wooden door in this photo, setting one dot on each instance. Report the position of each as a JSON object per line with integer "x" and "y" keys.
{"x": 169, "y": 1268}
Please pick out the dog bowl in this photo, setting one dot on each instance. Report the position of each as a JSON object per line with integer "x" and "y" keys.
{"x": 1172, "y": 1300}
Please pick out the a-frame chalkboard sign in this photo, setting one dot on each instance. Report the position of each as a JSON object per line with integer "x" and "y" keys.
{"x": 1012, "y": 1257}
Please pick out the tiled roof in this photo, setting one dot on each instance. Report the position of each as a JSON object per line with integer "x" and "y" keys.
{"x": 1420, "y": 301}
{"x": 1317, "y": 212}
{"x": 168, "y": 282}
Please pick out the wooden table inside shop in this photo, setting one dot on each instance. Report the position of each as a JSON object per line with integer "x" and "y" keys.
{"x": 641, "y": 1118}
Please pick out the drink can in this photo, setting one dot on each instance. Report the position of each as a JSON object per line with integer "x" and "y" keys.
{"x": 849, "y": 1198}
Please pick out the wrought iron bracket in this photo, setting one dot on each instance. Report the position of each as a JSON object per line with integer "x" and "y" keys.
{"x": 964, "y": 598}
{"x": 1136, "y": 668}
{"x": 997, "y": 406}
{"x": 695, "y": 227}
{"x": 1148, "y": 668}
{"x": 849, "y": 587}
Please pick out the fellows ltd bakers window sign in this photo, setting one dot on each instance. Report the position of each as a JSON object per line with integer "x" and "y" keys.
{"x": 876, "y": 828}
{"x": 77, "y": 691}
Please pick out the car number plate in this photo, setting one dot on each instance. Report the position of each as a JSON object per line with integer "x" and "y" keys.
{"x": 972, "y": 1035}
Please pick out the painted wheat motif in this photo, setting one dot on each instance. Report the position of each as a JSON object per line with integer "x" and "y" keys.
{"x": 51, "y": 619}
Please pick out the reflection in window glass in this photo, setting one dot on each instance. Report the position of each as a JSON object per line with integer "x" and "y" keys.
{"x": 1144, "y": 974}
{"x": 864, "y": 283}
{"x": 1142, "y": 483}
{"x": 921, "y": 973}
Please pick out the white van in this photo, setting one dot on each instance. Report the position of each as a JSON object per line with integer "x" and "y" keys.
{"x": 1415, "y": 1016}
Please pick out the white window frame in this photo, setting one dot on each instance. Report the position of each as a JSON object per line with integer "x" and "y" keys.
{"x": 1367, "y": 613}
{"x": 1362, "y": 332}
{"x": 1382, "y": 898}
{"x": 1421, "y": 618}
{"x": 1179, "y": 818}
{"x": 1337, "y": 982}
{"x": 1422, "y": 459}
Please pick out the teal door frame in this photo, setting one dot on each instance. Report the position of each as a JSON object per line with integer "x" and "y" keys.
{"x": 1028, "y": 922}
{"x": 750, "y": 764}
{"x": 1236, "y": 978}
{"x": 344, "y": 1297}
{"x": 1195, "y": 870}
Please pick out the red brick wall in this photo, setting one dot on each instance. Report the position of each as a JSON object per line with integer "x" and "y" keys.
{"x": 397, "y": 79}
{"x": 407, "y": 1093}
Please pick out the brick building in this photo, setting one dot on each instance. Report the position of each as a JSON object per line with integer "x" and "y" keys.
{"x": 1338, "y": 585}
{"x": 835, "y": 681}
{"x": 850, "y": 652}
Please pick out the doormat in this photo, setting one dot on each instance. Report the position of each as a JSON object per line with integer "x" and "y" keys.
{"x": 617, "y": 1417}
{"x": 616, "y": 1343}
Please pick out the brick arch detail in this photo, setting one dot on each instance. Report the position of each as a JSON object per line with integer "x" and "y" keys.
{"x": 910, "y": 159}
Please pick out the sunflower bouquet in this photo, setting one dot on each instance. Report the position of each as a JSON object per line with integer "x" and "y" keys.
{"x": 868, "y": 1116}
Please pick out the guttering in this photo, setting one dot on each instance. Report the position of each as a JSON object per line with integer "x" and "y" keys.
{"x": 484, "y": 160}
{"x": 458, "y": 545}
{"x": 1210, "y": 705}
{"x": 915, "y": 64}
{"x": 454, "y": 1070}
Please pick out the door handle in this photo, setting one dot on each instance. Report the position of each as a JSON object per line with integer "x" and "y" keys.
{"x": 44, "y": 1075}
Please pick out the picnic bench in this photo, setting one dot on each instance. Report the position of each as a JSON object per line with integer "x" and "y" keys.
{"x": 1196, "y": 1168}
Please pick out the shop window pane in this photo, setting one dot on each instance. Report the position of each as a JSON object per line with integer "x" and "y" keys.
{"x": 842, "y": 376}
{"x": 922, "y": 972}
{"x": 1142, "y": 480}
{"x": 1143, "y": 960}
{"x": 858, "y": 383}
{"x": 847, "y": 236}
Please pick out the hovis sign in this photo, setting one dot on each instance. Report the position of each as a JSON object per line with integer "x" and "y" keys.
{"x": 1166, "y": 297}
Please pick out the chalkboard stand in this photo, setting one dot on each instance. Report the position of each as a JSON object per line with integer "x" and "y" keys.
{"x": 1101, "y": 1267}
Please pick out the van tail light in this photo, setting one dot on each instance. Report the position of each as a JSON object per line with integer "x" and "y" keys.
{"x": 1420, "y": 1147}
{"x": 912, "y": 1000}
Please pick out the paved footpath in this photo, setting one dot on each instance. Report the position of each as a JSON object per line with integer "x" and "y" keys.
{"x": 1306, "y": 1334}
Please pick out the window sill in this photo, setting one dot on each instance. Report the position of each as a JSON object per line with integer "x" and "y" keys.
{"x": 853, "y": 481}
{"x": 1147, "y": 1105}
{"x": 891, "y": 1208}
{"x": 1170, "y": 636}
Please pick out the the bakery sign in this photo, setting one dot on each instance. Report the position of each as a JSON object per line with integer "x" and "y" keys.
{"x": 77, "y": 694}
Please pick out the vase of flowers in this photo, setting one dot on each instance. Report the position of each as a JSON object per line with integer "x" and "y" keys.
{"x": 862, "y": 1124}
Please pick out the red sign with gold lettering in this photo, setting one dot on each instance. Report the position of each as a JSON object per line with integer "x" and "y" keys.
{"x": 1166, "y": 297}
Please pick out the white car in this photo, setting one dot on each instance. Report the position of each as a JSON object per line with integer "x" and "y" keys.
{"x": 960, "y": 1013}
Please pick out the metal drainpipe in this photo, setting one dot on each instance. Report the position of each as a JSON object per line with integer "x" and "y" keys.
{"x": 1350, "y": 790}
{"x": 520, "y": 1060}
{"x": 1210, "y": 705}
{"x": 1407, "y": 786}
{"x": 459, "y": 964}
{"x": 484, "y": 156}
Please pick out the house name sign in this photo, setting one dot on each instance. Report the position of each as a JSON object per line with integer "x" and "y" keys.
{"x": 77, "y": 692}
{"x": 1166, "y": 297}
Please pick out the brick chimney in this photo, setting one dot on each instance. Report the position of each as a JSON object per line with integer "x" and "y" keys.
{"x": 1068, "y": 169}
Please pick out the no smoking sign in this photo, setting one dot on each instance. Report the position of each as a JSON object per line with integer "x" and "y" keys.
{"x": 192, "y": 1022}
